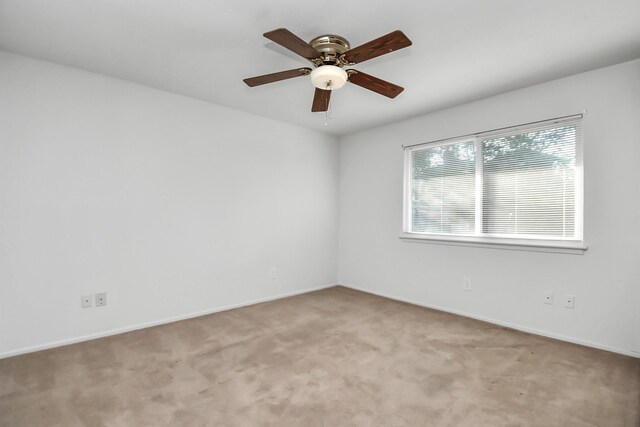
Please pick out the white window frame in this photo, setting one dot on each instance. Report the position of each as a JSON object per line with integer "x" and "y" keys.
{"x": 574, "y": 244}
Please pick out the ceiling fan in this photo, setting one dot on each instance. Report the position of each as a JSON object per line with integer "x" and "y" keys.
{"x": 329, "y": 54}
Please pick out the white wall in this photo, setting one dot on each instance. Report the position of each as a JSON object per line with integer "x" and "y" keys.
{"x": 508, "y": 285}
{"x": 171, "y": 205}
{"x": 177, "y": 207}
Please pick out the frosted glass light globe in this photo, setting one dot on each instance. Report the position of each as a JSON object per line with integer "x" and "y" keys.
{"x": 328, "y": 77}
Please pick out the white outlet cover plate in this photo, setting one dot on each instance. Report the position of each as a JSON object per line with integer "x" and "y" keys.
{"x": 101, "y": 299}
{"x": 85, "y": 301}
{"x": 569, "y": 301}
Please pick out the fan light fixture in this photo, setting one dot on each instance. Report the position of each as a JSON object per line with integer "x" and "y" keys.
{"x": 328, "y": 77}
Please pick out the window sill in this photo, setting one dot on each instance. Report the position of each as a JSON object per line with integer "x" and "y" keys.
{"x": 554, "y": 246}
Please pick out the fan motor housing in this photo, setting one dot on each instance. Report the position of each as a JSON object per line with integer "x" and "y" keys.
{"x": 331, "y": 47}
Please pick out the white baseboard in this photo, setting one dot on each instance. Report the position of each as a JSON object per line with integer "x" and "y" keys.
{"x": 155, "y": 323}
{"x": 534, "y": 331}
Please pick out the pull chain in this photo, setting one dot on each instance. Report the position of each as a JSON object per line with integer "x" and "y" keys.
{"x": 327, "y": 113}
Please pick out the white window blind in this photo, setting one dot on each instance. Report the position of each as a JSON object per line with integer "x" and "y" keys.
{"x": 443, "y": 188}
{"x": 521, "y": 183}
{"x": 529, "y": 183}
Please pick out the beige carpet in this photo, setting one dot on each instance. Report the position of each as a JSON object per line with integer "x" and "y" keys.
{"x": 336, "y": 357}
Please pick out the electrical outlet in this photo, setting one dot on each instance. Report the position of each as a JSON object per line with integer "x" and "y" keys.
{"x": 569, "y": 301}
{"x": 466, "y": 284}
{"x": 548, "y": 298}
{"x": 85, "y": 301}
{"x": 101, "y": 299}
{"x": 273, "y": 273}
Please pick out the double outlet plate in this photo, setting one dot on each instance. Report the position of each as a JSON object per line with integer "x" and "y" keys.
{"x": 569, "y": 300}
{"x": 100, "y": 299}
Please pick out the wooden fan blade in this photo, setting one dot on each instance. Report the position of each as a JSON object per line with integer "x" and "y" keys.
{"x": 375, "y": 84}
{"x": 321, "y": 100}
{"x": 295, "y": 44}
{"x": 274, "y": 77}
{"x": 385, "y": 44}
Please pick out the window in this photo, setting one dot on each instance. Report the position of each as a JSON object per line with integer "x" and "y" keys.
{"x": 520, "y": 185}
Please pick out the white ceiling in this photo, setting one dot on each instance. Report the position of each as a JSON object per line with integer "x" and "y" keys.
{"x": 462, "y": 49}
